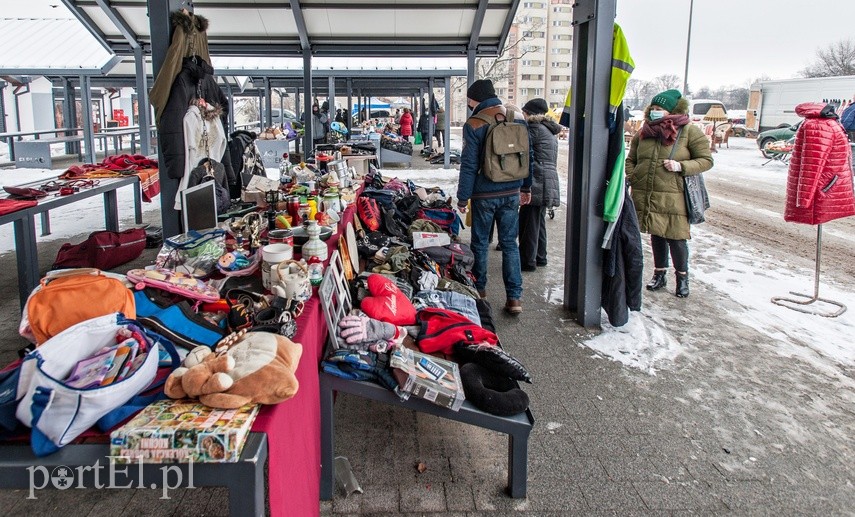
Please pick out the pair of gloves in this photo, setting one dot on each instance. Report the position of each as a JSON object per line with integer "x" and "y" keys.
{"x": 357, "y": 329}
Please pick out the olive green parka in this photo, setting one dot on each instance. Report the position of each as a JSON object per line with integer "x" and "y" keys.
{"x": 657, "y": 192}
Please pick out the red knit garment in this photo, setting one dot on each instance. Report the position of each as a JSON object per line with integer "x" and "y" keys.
{"x": 819, "y": 185}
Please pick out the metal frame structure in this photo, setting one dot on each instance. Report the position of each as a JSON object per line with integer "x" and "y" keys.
{"x": 593, "y": 20}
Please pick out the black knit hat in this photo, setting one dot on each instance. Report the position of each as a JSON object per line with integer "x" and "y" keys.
{"x": 536, "y": 107}
{"x": 481, "y": 90}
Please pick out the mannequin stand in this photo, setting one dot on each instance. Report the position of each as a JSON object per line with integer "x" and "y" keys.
{"x": 785, "y": 302}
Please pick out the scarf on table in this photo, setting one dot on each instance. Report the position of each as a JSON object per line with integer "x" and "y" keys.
{"x": 665, "y": 129}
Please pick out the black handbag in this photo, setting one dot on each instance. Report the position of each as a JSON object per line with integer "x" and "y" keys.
{"x": 694, "y": 191}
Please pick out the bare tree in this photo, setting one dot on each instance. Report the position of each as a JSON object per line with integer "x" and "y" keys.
{"x": 667, "y": 82}
{"x": 838, "y": 58}
{"x": 247, "y": 109}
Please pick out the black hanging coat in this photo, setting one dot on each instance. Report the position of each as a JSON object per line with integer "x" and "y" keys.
{"x": 622, "y": 267}
{"x": 195, "y": 74}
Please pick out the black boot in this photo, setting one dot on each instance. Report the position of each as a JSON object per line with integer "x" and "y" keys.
{"x": 658, "y": 281}
{"x": 682, "y": 285}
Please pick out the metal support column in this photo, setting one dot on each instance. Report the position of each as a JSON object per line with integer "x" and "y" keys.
{"x": 161, "y": 33}
{"x": 143, "y": 118}
{"x": 470, "y": 77}
{"x": 86, "y": 106}
{"x": 298, "y": 109}
{"x": 431, "y": 124}
{"x": 349, "y": 115}
{"x": 308, "y": 142}
{"x": 589, "y": 135}
{"x": 69, "y": 114}
{"x": 423, "y": 113}
{"x": 361, "y": 104}
{"x": 231, "y": 115}
{"x": 268, "y": 104}
{"x": 331, "y": 97}
{"x": 446, "y": 160}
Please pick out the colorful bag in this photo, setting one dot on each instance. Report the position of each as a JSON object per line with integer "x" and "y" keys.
{"x": 446, "y": 218}
{"x": 196, "y": 253}
{"x": 102, "y": 250}
{"x": 174, "y": 282}
{"x": 67, "y": 299}
{"x": 59, "y": 413}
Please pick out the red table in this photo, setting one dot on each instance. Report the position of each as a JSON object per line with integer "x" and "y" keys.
{"x": 293, "y": 427}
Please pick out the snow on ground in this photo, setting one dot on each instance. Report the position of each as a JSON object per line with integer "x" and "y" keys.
{"x": 746, "y": 279}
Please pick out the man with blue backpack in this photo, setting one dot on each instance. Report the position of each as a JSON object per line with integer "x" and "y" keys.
{"x": 847, "y": 120}
{"x": 495, "y": 175}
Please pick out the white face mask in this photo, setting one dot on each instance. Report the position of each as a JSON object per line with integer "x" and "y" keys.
{"x": 656, "y": 114}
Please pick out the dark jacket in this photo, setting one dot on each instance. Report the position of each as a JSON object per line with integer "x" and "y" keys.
{"x": 423, "y": 126}
{"x": 542, "y": 132}
{"x": 622, "y": 268}
{"x": 472, "y": 184}
{"x": 170, "y": 128}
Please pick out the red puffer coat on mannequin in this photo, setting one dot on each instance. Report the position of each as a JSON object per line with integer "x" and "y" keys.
{"x": 819, "y": 185}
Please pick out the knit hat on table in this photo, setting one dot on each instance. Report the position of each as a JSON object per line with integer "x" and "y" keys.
{"x": 536, "y": 107}
{"x": 667, "y": 99}
{"x": 481, "y": 90}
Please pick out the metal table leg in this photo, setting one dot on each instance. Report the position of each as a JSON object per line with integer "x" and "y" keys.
{"x": 111, "y": 210}
{"x": 327, "y": 439}
{"x": 27, "y": 256}
{"x": 45, "y": 223}
{"x": 138, "y": 202}
{"x": 246, "y": 489}
{"x": 517, "y": 465}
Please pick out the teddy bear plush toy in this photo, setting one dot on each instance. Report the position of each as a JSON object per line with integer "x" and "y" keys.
{"x": 244, "y": 368}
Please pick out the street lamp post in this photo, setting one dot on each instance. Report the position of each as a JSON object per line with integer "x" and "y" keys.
{"x": 688, "y": 44}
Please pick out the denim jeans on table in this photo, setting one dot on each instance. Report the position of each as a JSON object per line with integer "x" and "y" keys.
{"x": 505, "y": 211}
{"x": 448, "y": 300}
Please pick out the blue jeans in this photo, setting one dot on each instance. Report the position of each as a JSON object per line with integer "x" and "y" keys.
{"x": 505, "y": 211}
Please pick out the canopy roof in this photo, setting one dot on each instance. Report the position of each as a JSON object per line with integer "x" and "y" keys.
{"x": 325, "y": 27}
{"x": 47, "y": 46}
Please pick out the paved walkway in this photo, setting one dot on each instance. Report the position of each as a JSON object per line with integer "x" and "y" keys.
{"x": 729, "y": 427}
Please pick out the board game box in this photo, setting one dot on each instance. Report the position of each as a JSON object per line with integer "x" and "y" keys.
{"x": 428, "y": 377}
{"x": 181, "y": 431}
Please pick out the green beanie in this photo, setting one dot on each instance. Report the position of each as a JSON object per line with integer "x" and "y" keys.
{"x": 667, "y": 99}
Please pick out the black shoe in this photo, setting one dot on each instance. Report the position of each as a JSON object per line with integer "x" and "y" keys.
{"x": 657, "y": 282}
{"x": 498, "y": 247}
{"x": 682, "y": 285}
{"x": 542, "y": 263}
{"x": 529, "y": 268}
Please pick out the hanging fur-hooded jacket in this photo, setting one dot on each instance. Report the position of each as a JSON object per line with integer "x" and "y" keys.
{"x": 657, "y": 192}
{"x": 819, "y": 185}
{"x": 542, "y": 133}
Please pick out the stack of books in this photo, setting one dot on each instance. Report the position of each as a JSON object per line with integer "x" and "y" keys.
{"x": 112, "y": 363}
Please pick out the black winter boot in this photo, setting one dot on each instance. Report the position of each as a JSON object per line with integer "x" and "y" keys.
{"x": 682, "y": 285}
{"x": 658, "y": 281}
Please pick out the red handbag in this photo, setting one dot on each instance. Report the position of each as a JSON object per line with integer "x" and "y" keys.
{"x": 103, "y": 250}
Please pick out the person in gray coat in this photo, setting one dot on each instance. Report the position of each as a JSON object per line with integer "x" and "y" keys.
{"x": 545, "y": 193}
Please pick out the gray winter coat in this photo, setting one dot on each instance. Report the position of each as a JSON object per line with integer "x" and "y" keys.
{"x": 543, "y": 138}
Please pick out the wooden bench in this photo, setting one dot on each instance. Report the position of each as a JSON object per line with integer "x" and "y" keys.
{"x": 335, "y": 300}
{"x": 88, "y": 466}
{"x": 35, "y": 154}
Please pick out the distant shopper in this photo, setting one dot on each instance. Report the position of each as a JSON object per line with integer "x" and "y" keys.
{"x": 490, "y": 200}
{"x": 319, "y": 124}
{"x": 423, "y": 128}
{"x": 847, "y": 120}
{"x": 543, "y": 138}
{"x": 406, "y": 123}
{"x": 666, "y": 149}
{"x": 439, "y": 130}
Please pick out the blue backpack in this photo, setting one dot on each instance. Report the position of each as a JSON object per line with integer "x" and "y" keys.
{"x": 848, "y": 118}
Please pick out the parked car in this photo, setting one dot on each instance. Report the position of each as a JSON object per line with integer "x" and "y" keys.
{"x": 784, "y": 132}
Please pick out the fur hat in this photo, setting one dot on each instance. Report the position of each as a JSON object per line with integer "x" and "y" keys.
{"x": 481, "y": 90}
{"x": 536, "y": 107}
{"x": 667, "y": 99}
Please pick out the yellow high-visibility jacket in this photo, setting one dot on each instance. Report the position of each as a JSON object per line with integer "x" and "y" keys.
{"x": 622, "y": 67}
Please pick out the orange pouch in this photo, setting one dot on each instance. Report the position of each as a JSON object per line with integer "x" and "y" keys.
{"x": 67, "y": 300}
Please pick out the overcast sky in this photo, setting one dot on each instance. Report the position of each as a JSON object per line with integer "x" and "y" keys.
{"x": 732, "y": 40}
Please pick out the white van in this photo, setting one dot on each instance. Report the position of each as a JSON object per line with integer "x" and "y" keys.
{"x": 699, "y": 107}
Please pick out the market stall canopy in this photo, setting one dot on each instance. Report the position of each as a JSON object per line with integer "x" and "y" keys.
{"x": 326, "y": 28}
{"x": 60, "y": 47}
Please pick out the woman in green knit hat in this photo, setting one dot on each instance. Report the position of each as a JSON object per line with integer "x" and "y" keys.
{"x": 665, "y": 150}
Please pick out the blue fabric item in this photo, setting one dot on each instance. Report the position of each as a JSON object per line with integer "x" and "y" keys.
{"x": 449, "y": 300}
{"x": 505, "y": 211}
{"x": 848, "y": 118}
{"x": 176, "y": 322}
{"x": 40, "y": 443}
{"x": 472, "y": 182}
{"x": 9, "y": 398}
